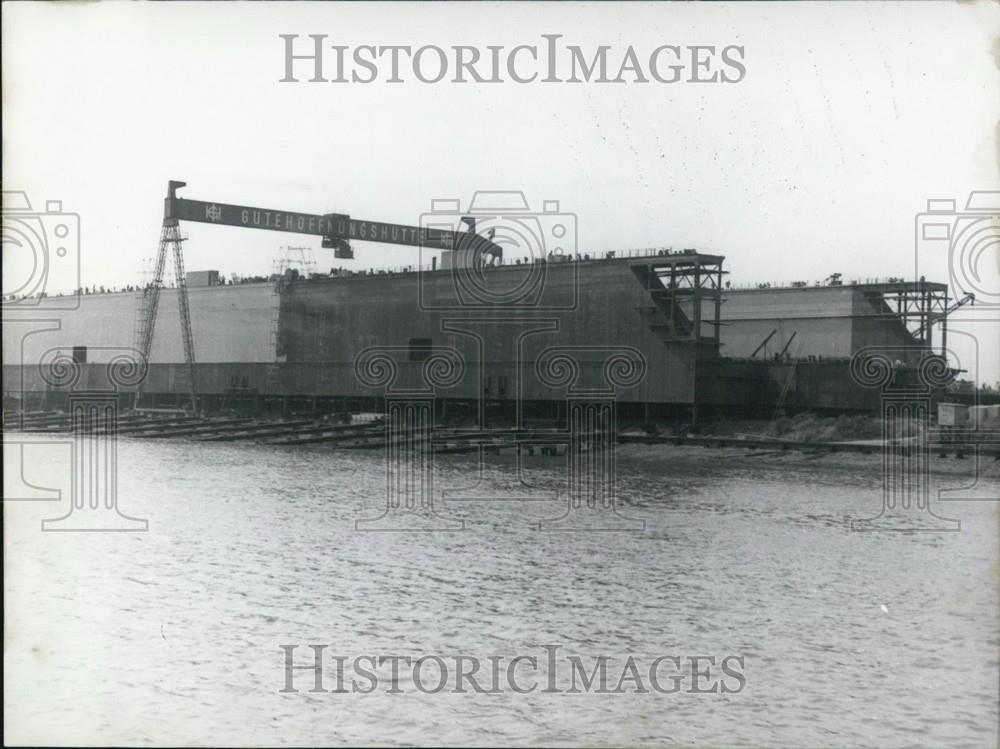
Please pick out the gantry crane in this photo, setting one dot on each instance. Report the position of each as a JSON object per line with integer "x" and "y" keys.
{"x": 336, "y": 230}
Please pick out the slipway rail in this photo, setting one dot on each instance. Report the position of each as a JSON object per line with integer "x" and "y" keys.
{"x": 371, "y": 435}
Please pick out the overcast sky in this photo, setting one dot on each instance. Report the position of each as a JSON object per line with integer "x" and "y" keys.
{"x": 848, "y": 119}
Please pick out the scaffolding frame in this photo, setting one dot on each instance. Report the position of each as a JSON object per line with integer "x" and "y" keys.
{"x": 919, "y": 305}
{"x": 679, "y": 285}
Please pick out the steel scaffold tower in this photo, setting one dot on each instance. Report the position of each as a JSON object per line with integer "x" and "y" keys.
{"x": 170, "y": 241}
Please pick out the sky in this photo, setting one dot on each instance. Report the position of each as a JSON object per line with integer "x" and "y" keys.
{"x": 848, "y": 119}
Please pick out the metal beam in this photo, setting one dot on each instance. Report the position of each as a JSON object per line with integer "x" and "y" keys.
{"x": 330, "y": 226}
{"x": 788, "y": 342}
{"x": 763, "y": 343}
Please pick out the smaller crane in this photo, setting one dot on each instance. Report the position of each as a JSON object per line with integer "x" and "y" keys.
{"x": 969, "y": 298}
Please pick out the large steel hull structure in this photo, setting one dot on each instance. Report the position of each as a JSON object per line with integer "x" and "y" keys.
{"x": 298, "y": 342}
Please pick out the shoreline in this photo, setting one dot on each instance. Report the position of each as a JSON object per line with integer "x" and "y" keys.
{"x": 698, "y": 455}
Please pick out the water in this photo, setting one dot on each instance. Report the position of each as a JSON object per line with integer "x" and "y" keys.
{"x": 173, "y": 636}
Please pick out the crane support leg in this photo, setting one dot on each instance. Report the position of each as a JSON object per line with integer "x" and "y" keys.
{"x": 170, "y": 241}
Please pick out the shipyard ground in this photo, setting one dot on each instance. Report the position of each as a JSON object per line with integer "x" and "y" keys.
{"x": 692, "y": 457}
{"x": 800, "y": 441}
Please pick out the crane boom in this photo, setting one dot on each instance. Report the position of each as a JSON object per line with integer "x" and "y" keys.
{"x": 969, "y": 298}
{"x": 336, "y": 229}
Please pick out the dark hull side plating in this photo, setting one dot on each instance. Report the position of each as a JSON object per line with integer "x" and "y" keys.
{"x": 302, "y": 340}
